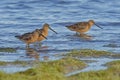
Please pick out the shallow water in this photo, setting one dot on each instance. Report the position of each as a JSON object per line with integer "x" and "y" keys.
{"x": 13, "y": 68}
{"x": 20, "y": 16}
{"x": 97, "y": 64}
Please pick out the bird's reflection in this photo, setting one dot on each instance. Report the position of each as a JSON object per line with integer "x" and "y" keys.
{"x": 46, "y": 58}
{"x": 84, "y": 36}
{"x": 32, "y": 53}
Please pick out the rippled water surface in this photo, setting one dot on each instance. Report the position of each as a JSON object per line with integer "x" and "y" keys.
{"x": 21, "y": 16}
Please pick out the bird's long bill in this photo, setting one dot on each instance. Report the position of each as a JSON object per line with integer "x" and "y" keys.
{"x": 98, "y": 26}
{"x": 52, "y": 30}
{"x": 43, "y": 36}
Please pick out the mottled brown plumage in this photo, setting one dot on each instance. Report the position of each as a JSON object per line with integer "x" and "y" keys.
{"x": 30, "y": 37}
{"x": 36, "y": 35}
{"x": 82, "y": 27}
{"x": 44, "y": 31}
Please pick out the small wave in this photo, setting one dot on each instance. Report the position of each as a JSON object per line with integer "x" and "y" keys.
{"x": 17, "y": 6}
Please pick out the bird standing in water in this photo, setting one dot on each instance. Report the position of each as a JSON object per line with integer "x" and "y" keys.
{"x": 44, "y": 31}
{"x": 82, "y": 27}
{"x": 30, "y": 37}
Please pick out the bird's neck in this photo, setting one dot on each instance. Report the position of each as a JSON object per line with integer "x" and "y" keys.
{"x": 45, "y": 31}
{"x": 91, "y": 24}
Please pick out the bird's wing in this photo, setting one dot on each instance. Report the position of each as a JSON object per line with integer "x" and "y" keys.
{"x": 81, "y": 25}
{"x": 27, "y": 36}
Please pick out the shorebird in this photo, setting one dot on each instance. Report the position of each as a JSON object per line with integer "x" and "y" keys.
{"x": 44, "y": 31}
{"x": 82, "y": 27}
{"x": 30, "y": 37}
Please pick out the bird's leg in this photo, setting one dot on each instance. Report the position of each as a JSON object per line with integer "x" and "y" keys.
{"x": 27, "y": 46}
{"x": 40, "y": 44}
{"x": 76, "y": 33}
{"x": 35, "y": 45}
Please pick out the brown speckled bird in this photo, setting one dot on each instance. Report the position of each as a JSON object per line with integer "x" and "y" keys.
{"x": 82, "y": 27}
{"x": 44, "y": 31}
{"x": 30, "y": 37}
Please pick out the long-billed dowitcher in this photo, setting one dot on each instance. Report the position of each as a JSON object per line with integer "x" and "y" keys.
{"x": 30, "y": 37}
{"x": 82, "y": 27}
{"x": 44, "y": 31}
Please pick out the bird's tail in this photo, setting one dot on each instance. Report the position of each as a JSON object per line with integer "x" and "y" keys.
{"x": 18, "y": 36}
{"x": 66, "y": 26}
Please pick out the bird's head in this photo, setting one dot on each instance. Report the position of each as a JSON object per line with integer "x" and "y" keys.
{"x": 92, "y": 22}
{"x": 47, "y": 26}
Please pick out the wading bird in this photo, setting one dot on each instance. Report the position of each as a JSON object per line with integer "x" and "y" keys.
{"x": 44, "y": 31}
{"x": 82, "y": 27}
{"x": 30, "y": 37}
